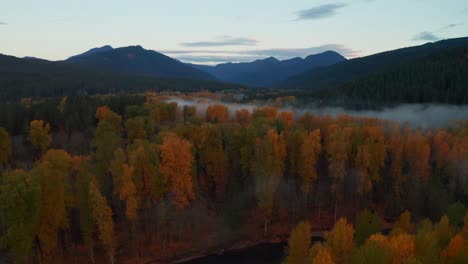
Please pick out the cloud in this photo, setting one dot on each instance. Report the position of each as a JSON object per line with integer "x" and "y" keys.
{"x": 425, "y": 36}
{"x": 3, "y": 23}
{"x": 453, "y": 25}
{"x": 318, "y": 12}
{"x": 223, "y": 41}
{"x": 217, "y": 56}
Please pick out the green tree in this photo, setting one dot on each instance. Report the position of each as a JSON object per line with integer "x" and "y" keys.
{"x": 19, "y": 213}
{"x": 367, "y": 224}
{"x": 372, "y": 252}
{"x": 107, "y": 139}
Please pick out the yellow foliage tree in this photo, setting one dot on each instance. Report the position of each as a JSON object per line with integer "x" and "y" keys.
{"x": 102, "y": 217}
{"x": 298, "y": 244}
{"x": 39, "y": 135}
{"x": 340, "y": 240}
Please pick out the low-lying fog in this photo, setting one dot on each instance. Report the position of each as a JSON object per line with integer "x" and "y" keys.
{"x": 418, "y": 115}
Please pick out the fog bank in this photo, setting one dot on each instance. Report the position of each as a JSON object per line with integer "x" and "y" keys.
{"x": 417, "y": 115}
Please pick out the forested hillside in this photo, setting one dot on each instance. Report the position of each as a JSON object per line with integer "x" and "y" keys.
{"x": 147, "y": 179}
{"x": 440, "y": 78}
{"x": 355, "y": 69}
{"x": 21, "y": 78}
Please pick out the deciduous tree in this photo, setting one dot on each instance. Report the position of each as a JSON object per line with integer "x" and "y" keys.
{"x": 176, "y": 166}
{"x": 298, "y": 244}
{"x": 39, "y": 135}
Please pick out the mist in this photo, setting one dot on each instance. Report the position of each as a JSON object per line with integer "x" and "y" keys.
{"x": 416, "y": 115}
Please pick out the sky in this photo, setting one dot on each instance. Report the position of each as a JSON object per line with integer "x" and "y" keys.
{"x": 216, "y": 31}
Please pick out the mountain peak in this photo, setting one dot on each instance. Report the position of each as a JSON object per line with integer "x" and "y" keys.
{"x": 272, "y": 59}
{"x": 137, "y": 60}
{"x": 93, "y": 51}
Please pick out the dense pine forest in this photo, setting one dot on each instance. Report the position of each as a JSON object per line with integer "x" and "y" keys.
{"x": 116, "y": 179}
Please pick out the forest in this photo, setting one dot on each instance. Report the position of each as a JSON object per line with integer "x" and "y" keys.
{"x": 116, "y": 179}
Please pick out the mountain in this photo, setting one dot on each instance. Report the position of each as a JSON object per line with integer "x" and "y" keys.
{"x": 441, "y": 77}
{"x": 91, "y": 52}
{"x": 269, "y": 71}
{"x": 137, "y": 61}
{"x": 21, "y": 78}
{"x": 354, "y": 69}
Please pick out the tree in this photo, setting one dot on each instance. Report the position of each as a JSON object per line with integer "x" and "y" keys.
{"x": 402, "y": 247}
{"x": 425, "y": 241}
{"x": 243, "y": 117}
{"x": 455, "y": 213}
{"x": 150, "y": 184}
{"x": 107, "y": 139}
{"x": 456, "y": 251}
{"x": 441, "y": 149}
{"x": 39, "y": 135}
{"x": 417, "y": 152}
{"x": 102, "y": 217}
{"x": 176, "y": 166}
{"x": 5, "y": 147}
{"x": 19, "y": 213}
{"x": 82, "y": 179}
{"x": 337, "y": 147}
{"x": 298, "y": 244}
{"x": 370, "y": 157}
{"x": 212, "y": 162}
{"x": 189, "y": 113}
{"x": 267, "y": 168}
{"x": 367, "y": 224}
{"x": 395, "y": 146}
{"x": 340, "y": 240}
{"x": 443, "y": 231}
{"x": 53, "y": 174}
{"x": 217, "y": 113}
{"x": 372, "y": 252}
{"x": 403, "y": 225}
{"x": 323, "y": 257}
{"x": 135, "y": 128}
{"x": 465, "y": 226}
{"x": 309, "y": 153}
{"x": 287, "y": 118}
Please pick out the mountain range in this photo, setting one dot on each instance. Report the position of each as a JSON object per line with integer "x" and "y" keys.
{"x": 403, "y": 75}
{"x": 270, "y": 71}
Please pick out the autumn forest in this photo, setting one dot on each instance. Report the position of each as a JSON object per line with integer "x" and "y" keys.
{"x": 161, "y": 181}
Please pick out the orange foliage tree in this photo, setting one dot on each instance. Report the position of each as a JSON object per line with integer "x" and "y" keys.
{"x": 308, "y": 156}
{"x": 217, "y": 113}
{"x": 176, "y": 166}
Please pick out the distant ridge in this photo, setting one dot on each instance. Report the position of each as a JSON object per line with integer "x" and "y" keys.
{"x": 269, "y": 71}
